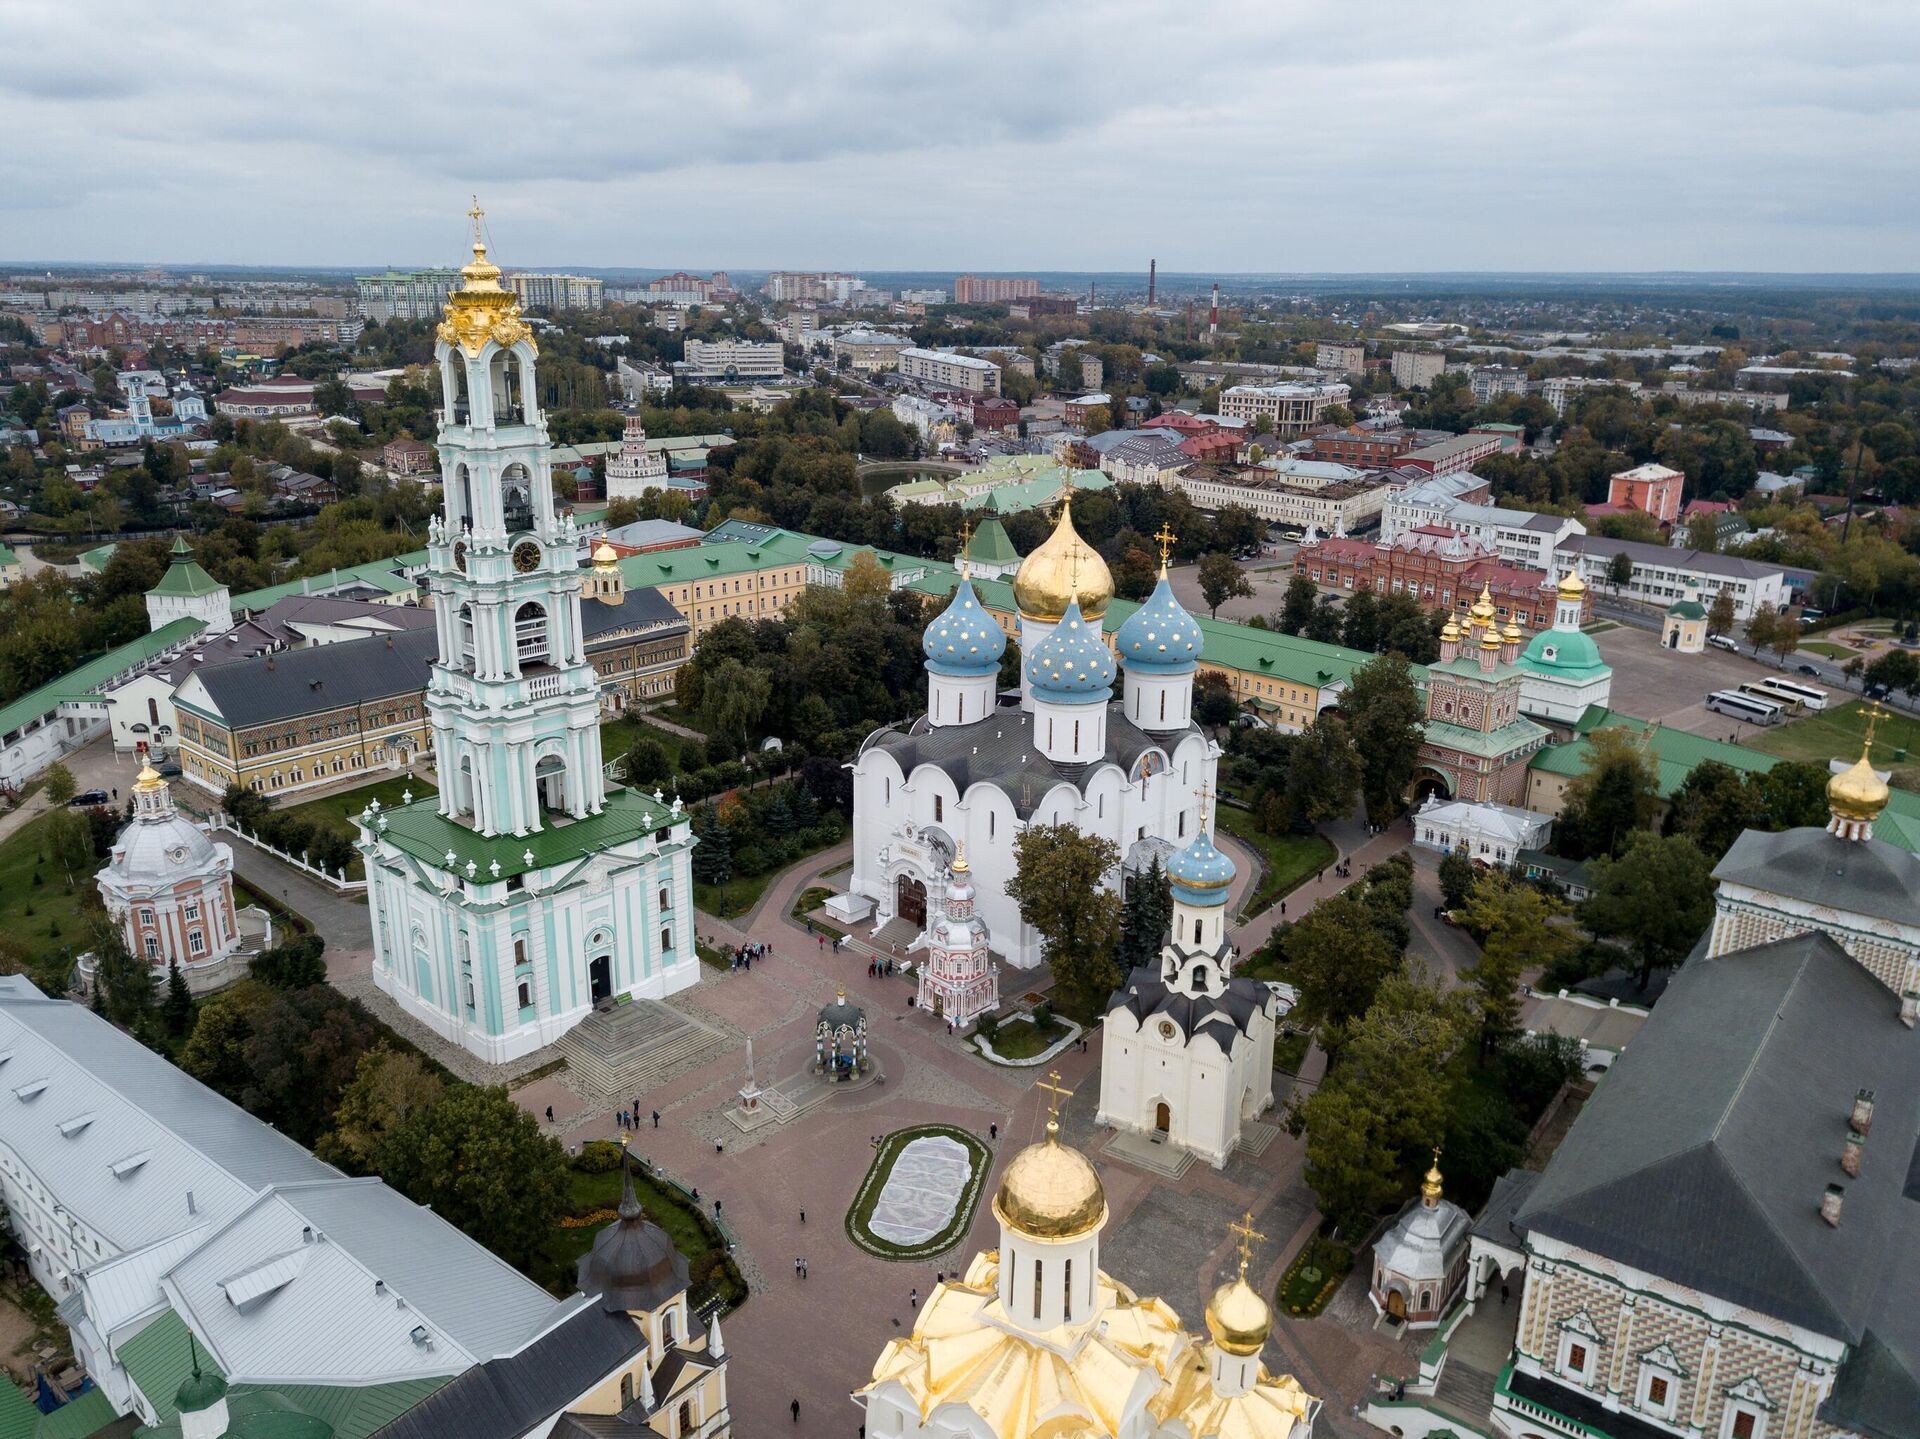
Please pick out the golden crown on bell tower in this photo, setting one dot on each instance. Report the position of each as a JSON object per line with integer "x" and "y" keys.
{"x": 482, "y": 310}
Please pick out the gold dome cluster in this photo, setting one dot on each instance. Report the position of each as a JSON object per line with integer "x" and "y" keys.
{"x": 1063, "y": 569}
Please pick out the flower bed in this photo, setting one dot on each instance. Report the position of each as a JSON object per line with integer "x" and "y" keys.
{"x": 1019, "y": 1044}
{"x": 860, "y": 1216}
{"x": 1310, "y": 1280}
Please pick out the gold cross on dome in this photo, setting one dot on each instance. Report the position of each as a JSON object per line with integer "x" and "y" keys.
{"x": 1204, "y": 794}
{"x": 476, "y": 214}
{"x": 1166, "y": 537}
{"x": 1874, "y": 716}
{"x": 1249, "y": 1236}
{"x": 966, "y": 545}
{"x": 1052, "y": 1084}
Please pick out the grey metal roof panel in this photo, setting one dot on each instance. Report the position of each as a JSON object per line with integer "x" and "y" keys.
{"x": 1495, "y": 1221}
{"x": 1874, "y": 1394}
{"x": 302, "y": 682}
{"x": 642, "y": 608}
{"x": 1000, "y": 750}
{"x": 506, "y": 1397}
{"x": 186, "y": 1139}
{"x": 1871, "y": 877}
{"x": 1704, "y": 1153}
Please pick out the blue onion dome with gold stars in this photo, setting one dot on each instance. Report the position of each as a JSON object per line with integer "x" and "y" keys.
{"x": 1072, "y": 665}
{"x": 1160, "y": 635}
{"x": 1200, "y": 874}
{"x": 963, "y": 640}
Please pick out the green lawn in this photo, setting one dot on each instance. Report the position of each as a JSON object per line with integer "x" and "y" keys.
{"x": 1290, "y": 1050}
{"x": 618, "y": 736}
{"x": 742, "y": 892}
{"x": 592, "y": 1202}
{"x": 1837, "y": 734}
{"x": 1313, "y": 1276}
{"x": 1291, "y": 859}
{"x": 38, "y": 909}
{"x": 1828, "y": 650}
{"x": 334, "y": 810}
{"x": 1022, "y": 1039}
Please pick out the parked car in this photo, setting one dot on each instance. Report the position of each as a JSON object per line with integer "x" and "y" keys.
{"x": 87, "y": 798}
{"x": 1877, "y": 692}
{"x": 1809, "y": 670}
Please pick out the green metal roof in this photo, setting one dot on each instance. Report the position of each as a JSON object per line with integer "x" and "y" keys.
{"x": 7, "y": 555}
{"x": 83, "y": 681}
{"x": 1491, "y": 744}
{"x": 18, "y": 1417}
{"x": 420, "y": 830}
{"x": 1687, "y": 610}
{"x": 84, "y": 1416}
{"x": 159, "y": 1360}
{"x": 96, "y": 559}
{"x": 991, "y": 546}
{"x": 380, "y": 574}
{"x": 184, "y": 577}
{"x": 1574, "y": 654}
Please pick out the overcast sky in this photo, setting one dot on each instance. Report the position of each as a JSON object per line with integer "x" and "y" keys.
{"x": 1275, "y": 135}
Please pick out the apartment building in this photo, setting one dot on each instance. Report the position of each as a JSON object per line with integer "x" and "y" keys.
{"x": 1417, "y": 369}
{"x": 991, "y": 290}
{"x": 405, "y": 294}
{"x": 1290, "y": 408}
{"x": 1650, "y": 488}
{"x": 1489, "y": 382}
{"x": 946, "y": 370}
{"x": 726, "y": 361}
{"x": 1560, "y": 391}
{"x": 1758, "y": 400}
{"x": 1361, "y": 447}
{"x": 869, "y": 352}
{"x": 559, "y": 292}
{"x": 1454, "y": 454}
{"x": 1348, "y": 357}
{"x": 830, "y": 287}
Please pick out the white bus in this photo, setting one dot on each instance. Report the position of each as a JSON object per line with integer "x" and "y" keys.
{"x": 1758, "y": 690}
{"x": 1750, "y": 708}
{"x": 1779, "y": 687}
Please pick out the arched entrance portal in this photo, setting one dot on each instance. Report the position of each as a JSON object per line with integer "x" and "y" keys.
{"x": 1396, "y": 1305}
{"x": 1429, "y": 783}
{"x": 910, "y": 899}
{"x": 1162, "y": 1117}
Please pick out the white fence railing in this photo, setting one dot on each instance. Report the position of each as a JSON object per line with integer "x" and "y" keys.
{"x": 220, "y": 820}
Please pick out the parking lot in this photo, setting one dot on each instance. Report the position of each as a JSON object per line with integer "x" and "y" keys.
{"x": 1656, "y": 684}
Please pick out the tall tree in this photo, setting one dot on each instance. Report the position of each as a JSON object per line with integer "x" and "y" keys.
{"x": 1713, "y": 806}
{"x": 1616, "y": 792}
{"x": 1762, "y": 626}
{"x": 1297, "y": 608}
{"x": 734, "y": 699}
{"x": 483, "y": 1165}
{"x": 1384, "y": 717}
{"x": 1145, "y": 917}
{"x": 1221, "y": 579}
{"x": 1656, "y": 898}
{"x": 1060, "y": 885}
{"x": 1720, "y": 613}
{"x": 1338, "y": 958}
{"x": 1515, "y": 922}
{"x": 60, "y": 784}
{"x": 1793, "y": 795}
{"x": 1322, "y": 772}
{"x": 1361, "y": 630}
{"x": 389, "y": 1087}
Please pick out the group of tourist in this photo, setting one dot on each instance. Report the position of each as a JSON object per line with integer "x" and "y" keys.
{"x": 745, "y": 954}
{"x": 879, "y": 968}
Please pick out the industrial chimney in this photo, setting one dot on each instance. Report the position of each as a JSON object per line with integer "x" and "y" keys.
{"x": 1153, "y": 280}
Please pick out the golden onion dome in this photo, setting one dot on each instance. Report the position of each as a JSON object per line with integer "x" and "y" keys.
{"x": 1571, "y": 586}
{"x": 605, "y": 556}
{"x": 1430, "y": 1186}
{"x": 1857, "y": 792}
{"x": 1512, "y": 632}
{"x": 1050, "y": 1191}
{"x": 1491, "y": 639}
{"x": 148, "y": 780}
{"x": 1063, "y": 569}
{"x": 1450, "y": 632}
{"x": 1483, "y": 610}
{"x": 1238, "y": 1318}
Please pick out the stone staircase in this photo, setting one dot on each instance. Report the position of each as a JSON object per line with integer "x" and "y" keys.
{"x": 628, "y": 1049}
{"x": 1464, "y": 1392}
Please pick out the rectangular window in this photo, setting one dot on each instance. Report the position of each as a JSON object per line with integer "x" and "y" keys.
{"x": 1745, "y": 1425}
{"x": 1037, "y": 1267}
{"x": 1577, "y": 1359}
{"x": 196, "y": 941}
{"x": 1657, "y": 1392}
{"x": 526, "y": 995}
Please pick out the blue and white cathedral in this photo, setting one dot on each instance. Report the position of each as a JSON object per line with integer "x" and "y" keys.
{"x": 982, "y": 764}
{"x": 527, "y": 891}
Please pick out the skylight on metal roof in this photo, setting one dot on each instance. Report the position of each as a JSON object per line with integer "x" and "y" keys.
{"x": 71, "y": 1127}
{"x": 30, "y": 1089}
{"x": 247, "y": 1290}
{"x": 123, "y": 1167}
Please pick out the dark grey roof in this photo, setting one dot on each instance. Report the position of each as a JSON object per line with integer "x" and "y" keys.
{"x": 1874, "y": 1394}
{"x": 632, "y": 1264}
{"x": 504, "y": 1398}
{"x": 1704, "y": 1154}
{"x": 639, "y": 609}
{"x": 1000, "y": 750}
{"x": 1668, "y": 557}
{"x": 1494, "y": 1222}
{"x": 300, "y": 682}
{"x": 1147, "y": 994}
{"x": 1871, "y": 877}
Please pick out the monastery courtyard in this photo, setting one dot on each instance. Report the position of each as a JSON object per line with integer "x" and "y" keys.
{"x": 816, "y": 1339}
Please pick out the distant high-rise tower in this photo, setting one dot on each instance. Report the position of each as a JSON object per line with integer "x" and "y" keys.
{"x": 1213, "y": 315}
{"x": 1153, "y": 280}
{"x": 1089, "y": 294}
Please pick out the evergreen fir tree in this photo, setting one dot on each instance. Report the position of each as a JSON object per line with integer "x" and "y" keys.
{"x": 177, "y": 1008}
{"x": 1145, "y": 917}
{"x": 713, "y": 855}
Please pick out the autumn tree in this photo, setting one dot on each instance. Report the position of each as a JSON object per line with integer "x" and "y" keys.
{"x": 1060, "y": 885}
{"x": 389, "y": 1087}
{"x": 1337, "y": 958}
{"x": 1221, "y": 579}
{"x": 1385, "y": 719}
{"x": 1514, "y": 922}
{"x": 1720, "y": 614}
{"x": 1615, "y": 793}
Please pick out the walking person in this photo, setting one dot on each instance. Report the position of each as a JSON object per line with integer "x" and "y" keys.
{"x": 803, "y": 1216}
{"x": 795, "y": 1406}
{"x": 993, "y": 1131}
{"x": 549, "y": 1114}
{"x": 656, "y": 1119}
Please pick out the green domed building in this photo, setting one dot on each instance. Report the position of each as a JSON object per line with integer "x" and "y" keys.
{"x": 1563, "y": 670}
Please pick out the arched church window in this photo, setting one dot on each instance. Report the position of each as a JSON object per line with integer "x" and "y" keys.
{"x": 530, "y": 633}
{"x": 1196, "y": 938}
{"x": 939, "y": 809}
